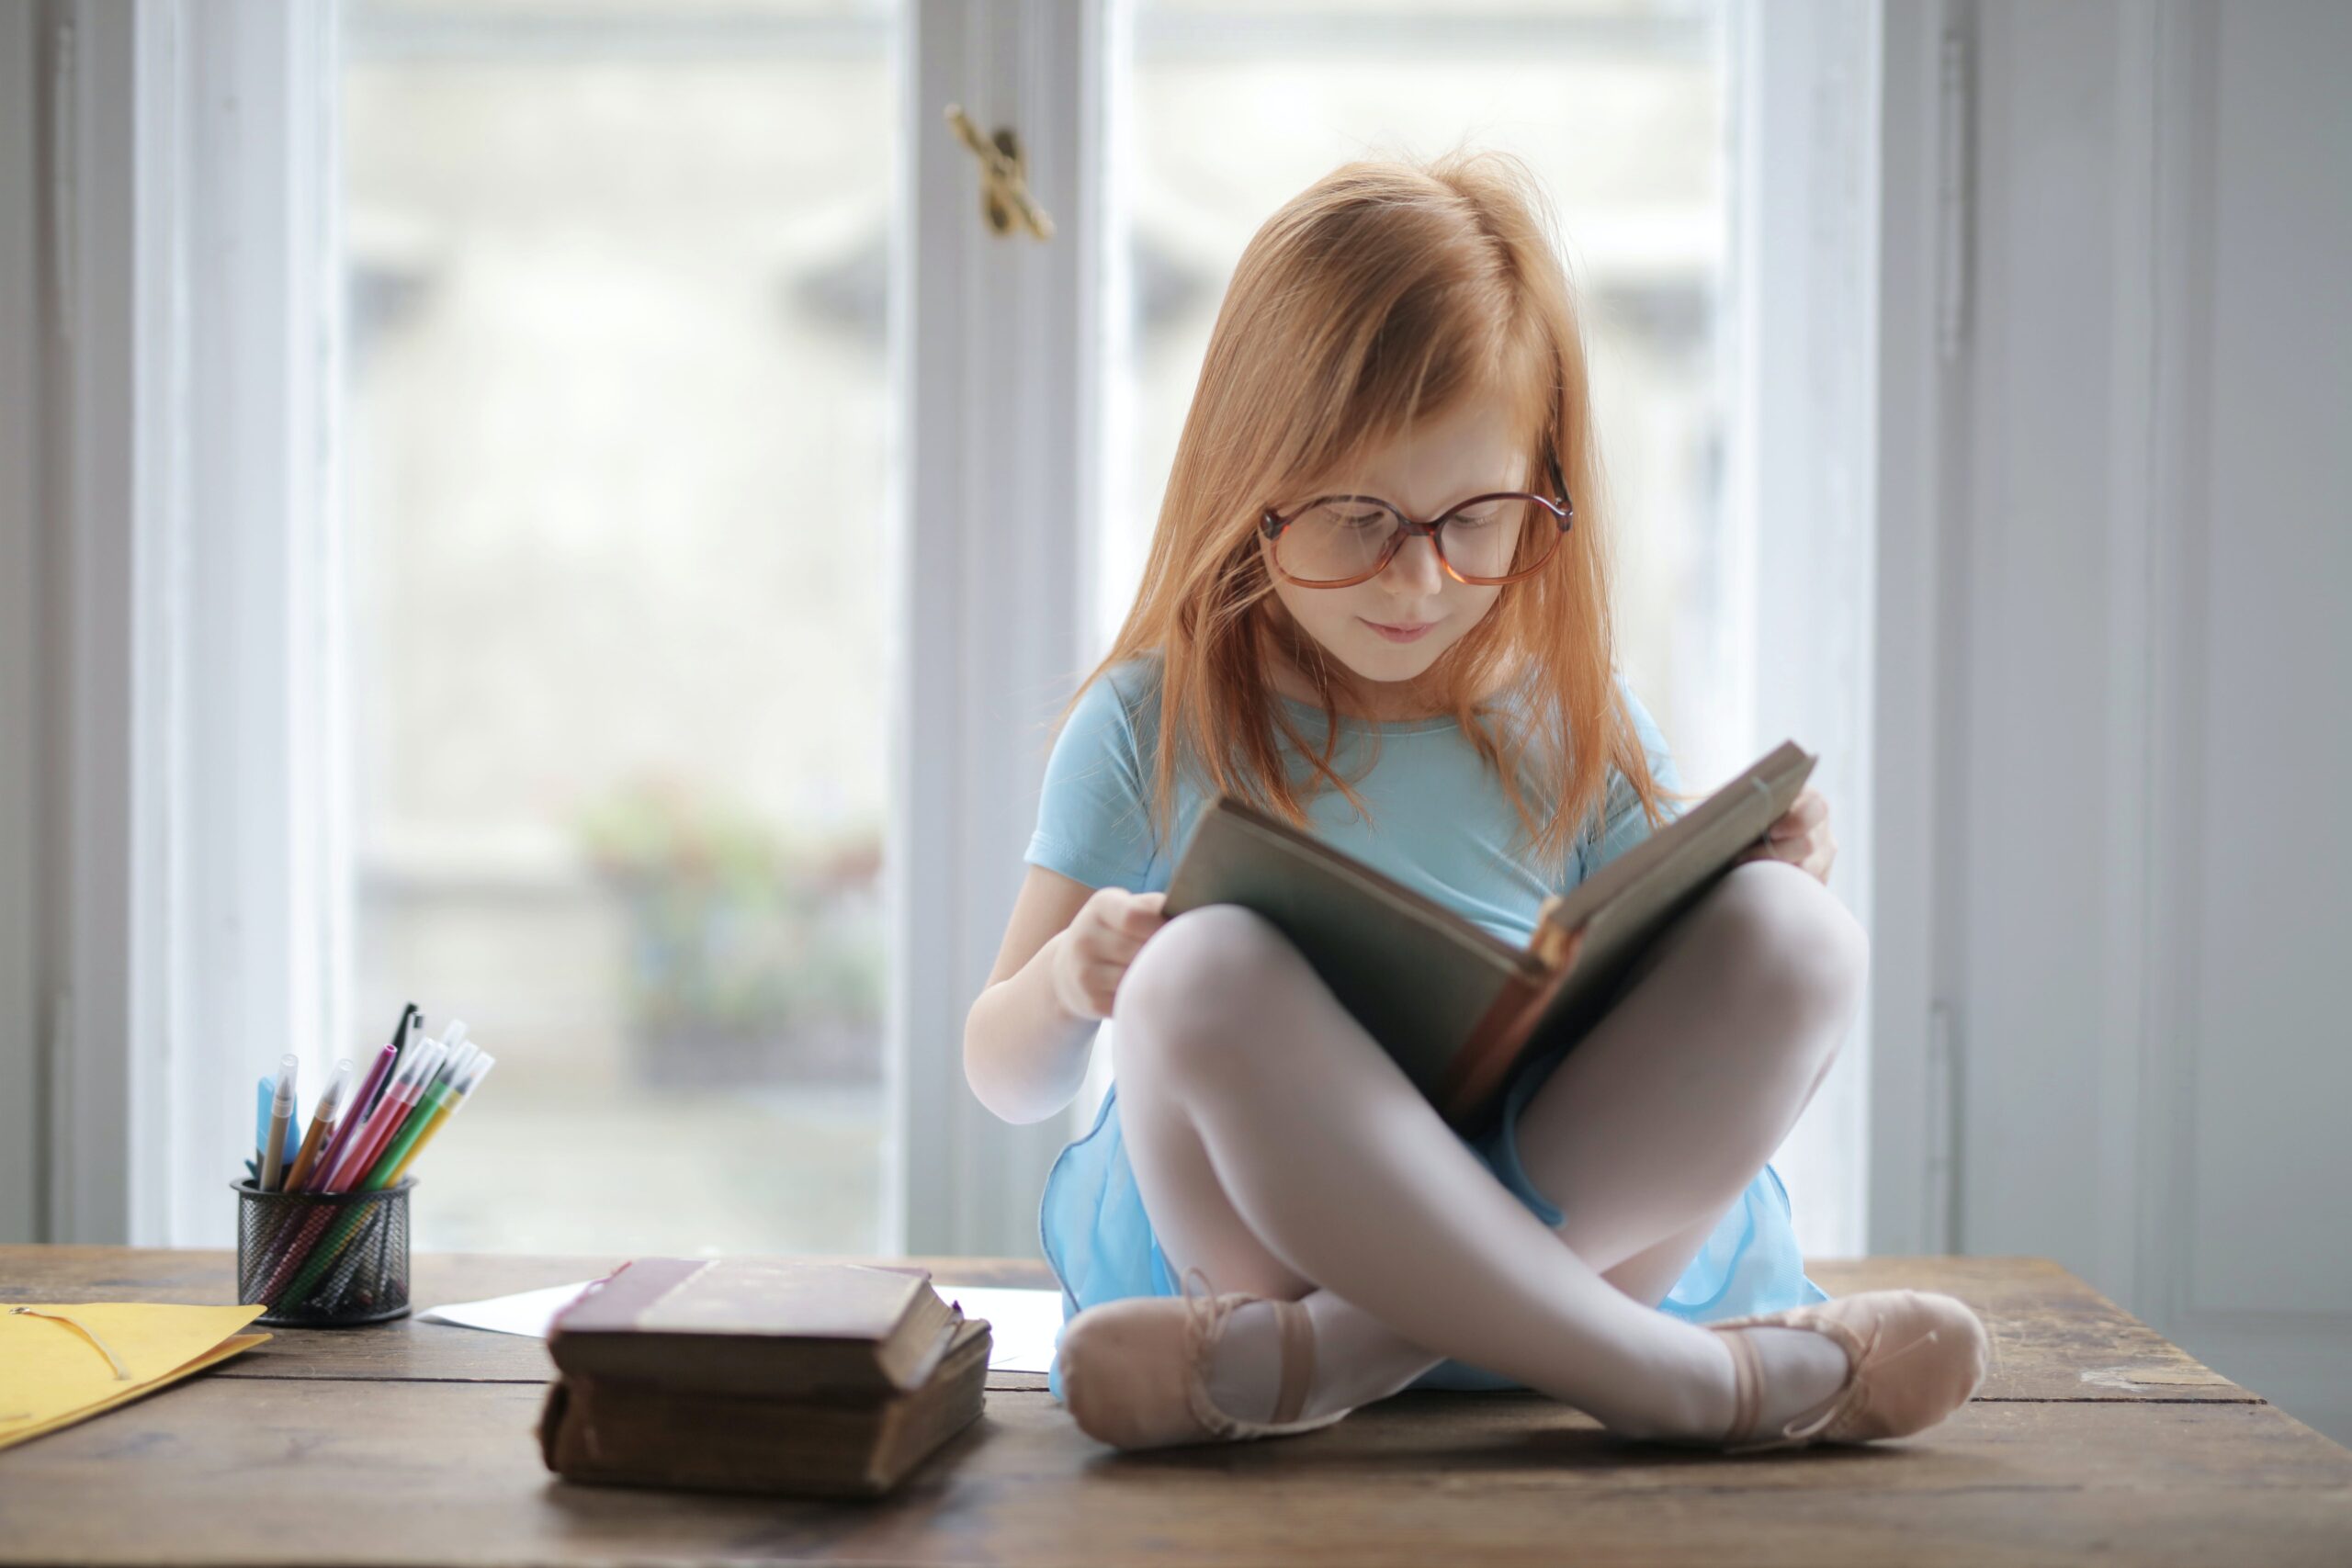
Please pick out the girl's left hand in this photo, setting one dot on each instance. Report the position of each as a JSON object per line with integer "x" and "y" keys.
{"x": 1801, "y": 837}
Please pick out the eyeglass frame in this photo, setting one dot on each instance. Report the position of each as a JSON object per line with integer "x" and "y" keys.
{"x": 1270, "y": 524}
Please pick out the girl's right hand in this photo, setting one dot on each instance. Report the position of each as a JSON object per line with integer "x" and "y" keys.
{"x": 1100, "y": 942}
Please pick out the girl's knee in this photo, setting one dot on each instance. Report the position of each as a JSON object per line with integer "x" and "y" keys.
{"x": 1191, "y": 989}
{"x": 1792, "y": 938}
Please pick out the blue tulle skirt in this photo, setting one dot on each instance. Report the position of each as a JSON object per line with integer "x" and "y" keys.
{"x": 1100, "y": 1244}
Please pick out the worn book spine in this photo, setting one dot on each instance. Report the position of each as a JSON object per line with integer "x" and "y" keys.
{"x": 1550, "y": 944}
{"x": 1475, "y": 1074}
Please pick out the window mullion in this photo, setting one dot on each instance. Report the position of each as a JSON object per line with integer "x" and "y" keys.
{"x": 991, "y": 563}
{"x": 198, "y": 904}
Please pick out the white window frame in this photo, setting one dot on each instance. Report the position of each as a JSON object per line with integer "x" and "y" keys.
{"x": 201, "y": 866}
{"x": 207, "y": 917}
{"x": 1803, "y": 432}
{"x": 26, "y": 657}
{"x": 193, "y": 931}
{"x": 1920, "y": 295}
{"x": 1005, "y": 493}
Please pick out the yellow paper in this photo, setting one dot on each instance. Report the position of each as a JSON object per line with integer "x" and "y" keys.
{"x": 54, "y": 1373}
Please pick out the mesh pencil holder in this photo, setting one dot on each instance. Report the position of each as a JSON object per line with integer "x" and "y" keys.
{"x": 322, "y": 1259}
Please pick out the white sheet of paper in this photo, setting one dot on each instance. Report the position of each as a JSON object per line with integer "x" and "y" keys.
{"x": 1022, "y": 1323}
{"x": 529, "y": 1312}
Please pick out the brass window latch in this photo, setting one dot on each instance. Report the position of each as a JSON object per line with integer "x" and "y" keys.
{"x": 1004, "y": 177}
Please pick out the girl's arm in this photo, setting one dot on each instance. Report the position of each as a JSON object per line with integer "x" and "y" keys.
{"x": 1028, "y": 1034}
{"x": 1024, "y": 1050}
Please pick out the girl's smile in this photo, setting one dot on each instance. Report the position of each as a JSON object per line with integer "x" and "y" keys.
{"x": 1400, "y": 634}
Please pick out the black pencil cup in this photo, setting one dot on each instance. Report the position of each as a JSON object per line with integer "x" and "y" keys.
{"x": 323, "y": 1260}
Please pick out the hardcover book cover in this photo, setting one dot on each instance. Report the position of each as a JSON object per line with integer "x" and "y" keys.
{"x": 1455, "y": 1005}
{"x": 795, "y": 1328}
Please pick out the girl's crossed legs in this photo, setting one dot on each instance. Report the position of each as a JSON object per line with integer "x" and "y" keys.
{"x": 1278, "y": 1147}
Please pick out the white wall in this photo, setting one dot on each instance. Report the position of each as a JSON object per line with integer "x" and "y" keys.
{"x": 2267, "y": 1267}
{"x": 2140, "y": 871}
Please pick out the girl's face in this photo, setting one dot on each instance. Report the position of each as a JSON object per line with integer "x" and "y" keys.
{"x": 1471, "y": 450}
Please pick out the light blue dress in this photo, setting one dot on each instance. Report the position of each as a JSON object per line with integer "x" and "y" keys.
{"x": 1441, "y": 824}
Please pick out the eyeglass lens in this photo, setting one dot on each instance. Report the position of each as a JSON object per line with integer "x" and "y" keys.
{"x": 1338, "y": 538}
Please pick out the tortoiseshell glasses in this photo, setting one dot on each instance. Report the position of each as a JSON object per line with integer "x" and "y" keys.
{"x": 1334, "y": 541}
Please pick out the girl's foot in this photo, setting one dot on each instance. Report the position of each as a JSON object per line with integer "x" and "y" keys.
{"x": 1912, "y": 1358}
{"x": 1137, "y": 1372}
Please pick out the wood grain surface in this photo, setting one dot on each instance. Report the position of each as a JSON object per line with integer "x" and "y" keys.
{"x": 405, "y": 1347}
{"x": 411, "y": 1442}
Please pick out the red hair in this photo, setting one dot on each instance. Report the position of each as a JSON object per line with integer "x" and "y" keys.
{"x": 1388, "y": 290}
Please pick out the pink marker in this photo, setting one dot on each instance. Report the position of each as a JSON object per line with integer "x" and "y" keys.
{"x": 370, "y": 1119}
{"x": 324, "y": 1166}
{"x": 390, "y": 1111}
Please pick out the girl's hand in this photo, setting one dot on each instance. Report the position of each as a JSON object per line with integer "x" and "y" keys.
{"x": 1100, "y": 942}
{"x": 1801, "y": 837}
{"x": 1559, "y": 947}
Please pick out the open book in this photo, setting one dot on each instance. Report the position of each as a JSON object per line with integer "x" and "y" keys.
{"x": 1457, "y": 1005}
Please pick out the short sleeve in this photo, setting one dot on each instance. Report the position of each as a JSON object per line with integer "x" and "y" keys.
{"x": 1624, "y": 825}
{"x": 1094, "y": 821}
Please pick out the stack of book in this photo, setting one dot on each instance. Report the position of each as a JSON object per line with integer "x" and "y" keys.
{"x": 794, "y": 1377}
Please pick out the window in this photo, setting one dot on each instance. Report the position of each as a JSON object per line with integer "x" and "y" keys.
{"x": 614, "y": 408}
{"x": 613, "y": 591}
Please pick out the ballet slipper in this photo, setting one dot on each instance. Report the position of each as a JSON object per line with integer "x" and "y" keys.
{"x": 1943, "y": 1340}
{"x": 1134, "y": 1370}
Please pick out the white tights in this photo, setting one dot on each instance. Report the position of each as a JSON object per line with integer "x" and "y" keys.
{"x": 1278, "y": 1147}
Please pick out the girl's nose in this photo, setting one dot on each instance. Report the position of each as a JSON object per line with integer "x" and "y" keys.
{"x": 1416, "y": 562}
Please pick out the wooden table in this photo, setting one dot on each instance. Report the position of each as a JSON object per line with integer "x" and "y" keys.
{"x": 411, "y": 1442}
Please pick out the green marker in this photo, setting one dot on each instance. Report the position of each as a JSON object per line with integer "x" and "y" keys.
{"x": 435, "y": 1099}
{"x": 419, "y": 1115}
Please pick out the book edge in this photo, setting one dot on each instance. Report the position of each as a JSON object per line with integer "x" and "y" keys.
{"x": 1368, "y": 879}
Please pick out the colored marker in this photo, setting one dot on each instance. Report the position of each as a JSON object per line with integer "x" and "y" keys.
{"x": 348, "y": 1128}
{"x": 386, "y": 1174}
{"x": 281, "y": 1116}
{"x": 391, "y": 1108}
{"x": 322, "y": 1122}
{"x": 478, "y": 1071}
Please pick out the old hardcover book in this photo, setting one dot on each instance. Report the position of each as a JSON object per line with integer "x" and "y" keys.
{"x": 1457, "y": 1005}
{"x": 634, "y": 1434}
{"x": 794, "y": 1328}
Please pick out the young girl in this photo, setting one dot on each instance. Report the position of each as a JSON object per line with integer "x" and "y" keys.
{"x": 1376, "y": 603}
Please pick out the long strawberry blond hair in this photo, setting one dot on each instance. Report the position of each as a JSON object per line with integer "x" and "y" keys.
{"x": 1384, "y": 293}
